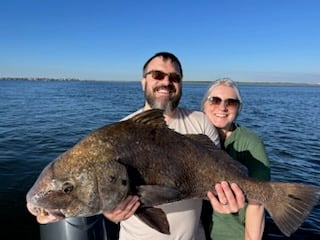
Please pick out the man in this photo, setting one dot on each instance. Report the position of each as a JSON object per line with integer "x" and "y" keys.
{"x": 162, "y": 86}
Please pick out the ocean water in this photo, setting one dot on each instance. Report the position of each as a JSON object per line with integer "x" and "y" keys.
{"x": 41, "y": 119}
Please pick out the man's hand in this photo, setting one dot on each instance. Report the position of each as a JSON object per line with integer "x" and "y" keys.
{"x": 124, "y": 210}
{"x": 230, "y": 198}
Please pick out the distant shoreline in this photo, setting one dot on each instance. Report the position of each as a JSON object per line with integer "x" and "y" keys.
{"x": 263, "y": 83}
{"x": 185, "y": 82}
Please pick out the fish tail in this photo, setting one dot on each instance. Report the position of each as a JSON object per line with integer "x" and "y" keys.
{"x": 290, "y": 203}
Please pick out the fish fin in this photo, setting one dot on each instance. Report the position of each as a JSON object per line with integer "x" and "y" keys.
{"x": 151, "y": 195}
{"x": 206, "y": 142}
{"x": 154, "y": 218}
{"x": 152, "y": 117}
{"x": 290, "y": 204}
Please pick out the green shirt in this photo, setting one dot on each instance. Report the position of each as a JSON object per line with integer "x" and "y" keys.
{"x": 246, "y": 147}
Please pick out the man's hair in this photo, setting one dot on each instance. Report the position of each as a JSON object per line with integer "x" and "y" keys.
{"x": 165, "y": 56}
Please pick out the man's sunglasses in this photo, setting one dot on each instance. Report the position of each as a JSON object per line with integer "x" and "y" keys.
{"x": 229, "y": 103}
{"x": 159, "y": 75}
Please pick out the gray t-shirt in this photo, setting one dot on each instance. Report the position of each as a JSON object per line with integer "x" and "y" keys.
{"x": 183, "y": 216}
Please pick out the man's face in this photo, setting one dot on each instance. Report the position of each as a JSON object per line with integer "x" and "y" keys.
{"x": 162, "y": 84}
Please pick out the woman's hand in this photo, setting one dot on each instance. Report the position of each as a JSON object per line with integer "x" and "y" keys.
{"x": 229, "y": 200}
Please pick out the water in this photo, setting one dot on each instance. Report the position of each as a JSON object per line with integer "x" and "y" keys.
{"x": 39, "y": 120}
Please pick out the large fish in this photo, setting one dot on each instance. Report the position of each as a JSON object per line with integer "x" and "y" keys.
{"x": 143, "y": 156}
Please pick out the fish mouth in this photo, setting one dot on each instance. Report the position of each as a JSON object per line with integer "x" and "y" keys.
{"x": 39, "y": 211}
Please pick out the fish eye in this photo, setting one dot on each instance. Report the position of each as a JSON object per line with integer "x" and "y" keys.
{"x": 67, "y": 187}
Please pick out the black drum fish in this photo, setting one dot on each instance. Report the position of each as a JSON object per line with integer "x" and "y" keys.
{"x": 142, "y": 156}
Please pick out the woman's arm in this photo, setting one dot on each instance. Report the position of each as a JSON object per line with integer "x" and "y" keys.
{"x": 255, "y": 221}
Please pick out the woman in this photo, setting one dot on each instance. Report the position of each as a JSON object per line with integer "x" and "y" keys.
{"x": 222, "y": 104}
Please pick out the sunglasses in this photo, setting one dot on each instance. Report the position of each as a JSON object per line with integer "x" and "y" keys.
{"x": 159, "y": 75}
{"x": 229, "y": 102}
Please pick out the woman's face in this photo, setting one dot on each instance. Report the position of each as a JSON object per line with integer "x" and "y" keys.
{"x": 222, "y": 106}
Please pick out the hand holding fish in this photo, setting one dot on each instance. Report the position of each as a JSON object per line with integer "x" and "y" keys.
{"x": 124, "y": 210}
{"x": 232, "y": 195}
{"x": 229, "y": 200}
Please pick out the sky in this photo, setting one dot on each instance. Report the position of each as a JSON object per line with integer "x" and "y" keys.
{"x": 246, "y": 40}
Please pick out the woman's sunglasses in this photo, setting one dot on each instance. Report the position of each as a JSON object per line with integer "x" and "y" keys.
{"x": 159, "y": 75}
{"x": 229, "y": 102}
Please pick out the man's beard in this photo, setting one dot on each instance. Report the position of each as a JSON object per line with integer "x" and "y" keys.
{"x": 168, "y": 106}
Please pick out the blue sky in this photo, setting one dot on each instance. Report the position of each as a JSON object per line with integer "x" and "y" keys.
{"x": 247, "y": 40}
